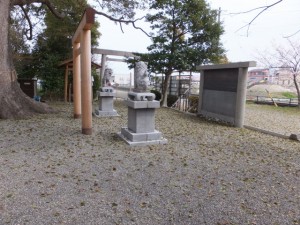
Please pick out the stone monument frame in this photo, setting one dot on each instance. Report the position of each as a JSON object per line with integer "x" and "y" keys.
{"x": 222, "y": 93}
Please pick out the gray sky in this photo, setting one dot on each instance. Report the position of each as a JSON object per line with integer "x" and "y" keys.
{"x": 266, "y": 31}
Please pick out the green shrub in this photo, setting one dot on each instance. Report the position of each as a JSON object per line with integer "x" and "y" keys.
{"x": 157, "y": 94}
{"x": 96, "y": 83}
{"x": 171, "y": 100}
{"x": 194, "y": 100}
{"x": 194, "y": 103}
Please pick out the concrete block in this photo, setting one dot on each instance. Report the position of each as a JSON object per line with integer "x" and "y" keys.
{"x": 136, "y": 104}
{"x": 106, "y": 94}
{"x": 106, "y": 103}
{"x": 134, "y": 136}
{"x": 141, "y": 139}
{"x": 141, "y": 120}
{"x": 153, "y": 104}
{"x": 106, "y": 100}
{"x": 142, "y": 104}
{"x": 99, "y": 113}
{"x": 107, "y": 89}
{"x": 146, "y": 96}
{"x": 156, "y": 135}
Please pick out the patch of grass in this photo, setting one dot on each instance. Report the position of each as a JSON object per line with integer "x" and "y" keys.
{"x": 56, "y": 214}
{"x": 289, "y": 94}
{"x": 82, "y": 203}
{"x": 285, "y": 94}
{"x": 9, "y": 195}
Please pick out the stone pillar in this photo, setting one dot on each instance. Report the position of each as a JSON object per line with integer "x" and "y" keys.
{"x": 141, "y": 120}
{"x": 76, "y": 81}
{"x": 201, "y": 90}
{"x": 86, "y": 82}
{"x": 241, "y": 97}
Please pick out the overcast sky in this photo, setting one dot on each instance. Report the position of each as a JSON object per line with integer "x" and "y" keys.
{"x": 268, "y": 29}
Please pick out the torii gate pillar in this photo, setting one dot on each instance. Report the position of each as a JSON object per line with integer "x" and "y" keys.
{"x": 103, "y": 62}
{"x": 76, "y": 81}
{"x": 81, "y": 42}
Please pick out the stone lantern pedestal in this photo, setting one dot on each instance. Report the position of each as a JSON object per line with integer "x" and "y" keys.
{"x": 106, "y": 99}
{"x": 141, "y": 120}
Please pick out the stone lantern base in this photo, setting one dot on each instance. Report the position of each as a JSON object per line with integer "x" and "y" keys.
{"x": 141, "y": 121}
{"x": 106, "y": 99}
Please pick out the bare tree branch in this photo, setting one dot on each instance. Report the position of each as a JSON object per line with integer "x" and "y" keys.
{"x": 100, "y": 4}
{"x": 132, "y": 22}
{"x": 295, "y": 48}
{"x": 261, "y": 7}
{"x": 29, "y": 23}
{"x": 262, "y": 10}
{"x": 292, "y": 34}
{"x": 44, "y": 2}
{"x": 51, "y": 7}
{"x": 121, "y": 28}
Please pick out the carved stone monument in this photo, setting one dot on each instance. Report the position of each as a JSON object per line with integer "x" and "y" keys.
{"x": 141, "y": 112}
{"x": 140, "y": 77}
{"x": 106, "y": 77}
{"x": 106, "y": 96}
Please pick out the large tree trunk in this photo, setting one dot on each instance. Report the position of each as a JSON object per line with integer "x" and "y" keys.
{"x": 166, "y": 84}
{"x": 13, "y": 102}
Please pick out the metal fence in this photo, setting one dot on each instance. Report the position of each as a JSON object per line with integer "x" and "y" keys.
{"x": 276, "y": 101}
{"x": 180, "y": 82}
{"x": 186, "y": 102}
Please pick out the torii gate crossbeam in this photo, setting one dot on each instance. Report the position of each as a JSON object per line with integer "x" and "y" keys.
{"x": 105, "y": 52}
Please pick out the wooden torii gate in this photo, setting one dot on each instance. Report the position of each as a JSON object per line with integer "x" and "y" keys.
{"x": 68, "y": 64}
{"x": 82, "y": 84}
{"x": 105, "y": 52}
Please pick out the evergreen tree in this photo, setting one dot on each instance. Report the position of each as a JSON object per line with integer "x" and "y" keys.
{"x": 187, "y": 34}
{"x": 54, "y": 46}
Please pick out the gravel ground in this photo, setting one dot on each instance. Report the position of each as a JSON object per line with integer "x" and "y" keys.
{"x": 208, "y": 173}
{"x": 281, "y": 120}
{"x": 274, "y": 89}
